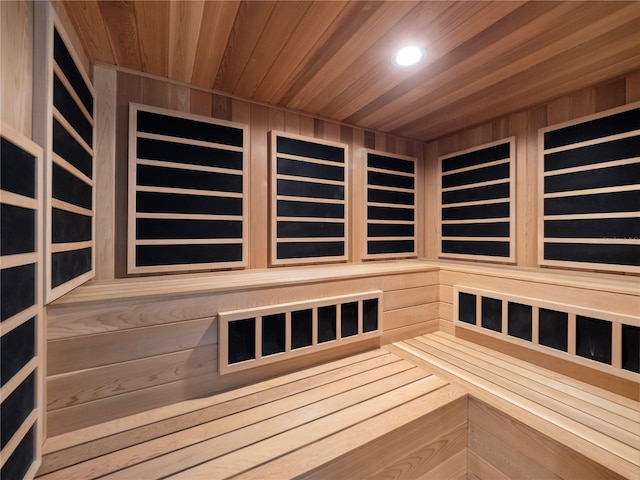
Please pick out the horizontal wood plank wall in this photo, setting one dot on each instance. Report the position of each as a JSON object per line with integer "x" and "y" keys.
{"x": 524, "y": 126}
{"x": 112, "y": 358}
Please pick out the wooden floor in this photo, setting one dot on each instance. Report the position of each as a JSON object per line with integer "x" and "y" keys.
{"x": 344, "y": 419}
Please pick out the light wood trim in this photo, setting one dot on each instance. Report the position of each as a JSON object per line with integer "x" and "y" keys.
{"x": 71, "y": 47}
{"x": 385, "y": 188}
{"x": 321, "y": 181}
{"x": 309, "y": 239}
{"x": 595, "y": 241}
{"x": 67, "y": 85}
{"x": 187, "y": 216}
{"x": 187, "y": 166}
{"x": 391, "y": 172}
{"x": 478, "y": 239}
{"x": 224, "y": 318}
{"x": 580, "y": 216}
{"x": 58, "y": 160}
{"x": 488, "y": 183}
{"x": 493, "y": 163}
{"x": 188, "y": 191}
{"x": 189, "y": 141}
{"x": 190, "y": 241}
{"x": 69, "y": 247}
{"x": 17, "y": 260}
{"x": 595, "y": 141}
{"x": 69, "y": 207}
{"x": 592, "y": 166}
{"x": 17, "y": 437}
{"x": 592, "y": 191}
{"x": 72, "y": 131}
{"x": 308, "y": 200}
{"x": 316, "y": 161}
{"x": 10, "y": 198}
{"x": 14, "y": 382}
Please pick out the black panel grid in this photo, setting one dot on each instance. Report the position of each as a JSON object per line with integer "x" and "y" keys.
{"x": 20, "y": 286}
{"x": 189, "y": 192}
{"x": 590, "y": 175}
{"x": 308, "y": 199}
{"x": 258, "y": 336}
{"x": 477, "y": 203}
{"x": 391, "y": 203}
{"x": 71, "y": 188}
{"x": 559, "y": 329}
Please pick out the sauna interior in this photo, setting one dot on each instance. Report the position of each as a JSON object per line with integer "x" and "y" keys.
{"x": 240, "y": 240}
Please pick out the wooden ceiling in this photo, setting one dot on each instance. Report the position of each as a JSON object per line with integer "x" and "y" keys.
{"x": 333, "y": 59}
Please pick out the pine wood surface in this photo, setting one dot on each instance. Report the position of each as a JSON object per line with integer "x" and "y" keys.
{"x": 599, "y": 427}
{"x": 282, "y": 427}
{"x": 485, "y": 59}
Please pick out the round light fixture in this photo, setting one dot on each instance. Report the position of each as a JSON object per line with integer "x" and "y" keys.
{"x": 408, "y": 56}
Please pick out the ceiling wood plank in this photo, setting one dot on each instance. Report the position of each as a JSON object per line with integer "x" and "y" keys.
{"x": 473, "y": 46}
{"x": 515, "y": 55}
{"x": 120, "y": 21}
{"x": 152, "y": 22}
{"x": 304, "y": 40}
{"x": 247, "y": 29}
{"x": 185, "y": 18}
{"x": 270, "y": 44}
{"x": 332, "y": 58}
{"x": 217, "y": 21}
{"x": 90, "y": 27}
{"x": 612, "y": 55}
{"x": 357, "y": 38}
{"x": 471, "y": 19}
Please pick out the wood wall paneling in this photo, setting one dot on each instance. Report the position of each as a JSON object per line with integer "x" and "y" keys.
{"x": 16, "y": 64}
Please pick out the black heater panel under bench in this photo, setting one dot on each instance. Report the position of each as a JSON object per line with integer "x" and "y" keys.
{"x": 598, "y": 339}
{"x": 189, "y": 192}
{"x": 590, "y": 173}
{"x": 308, "y": 200}
{"x": 258, "y": 336}
{"x": 477, "y": 201}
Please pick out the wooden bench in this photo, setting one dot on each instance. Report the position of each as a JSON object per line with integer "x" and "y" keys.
{"x": 434, "y": 406}
{"x": 365, "y": 415}
{"x": 529, "y": 422}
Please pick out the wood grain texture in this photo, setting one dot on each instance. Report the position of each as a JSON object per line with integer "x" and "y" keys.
{"x": 105, "y": 84}
{"x": 16, "y": 65}
{"x": 561, "y": 413}
{"x": 333, "y": 59}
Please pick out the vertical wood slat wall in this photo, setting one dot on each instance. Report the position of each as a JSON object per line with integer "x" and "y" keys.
{"x": 22, "y": 332}
{"x": 64, "y": 125}
{"x": 187, "y": 192}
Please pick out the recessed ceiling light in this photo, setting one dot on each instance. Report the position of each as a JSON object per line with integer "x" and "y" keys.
{"x": 408, "y": 56}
